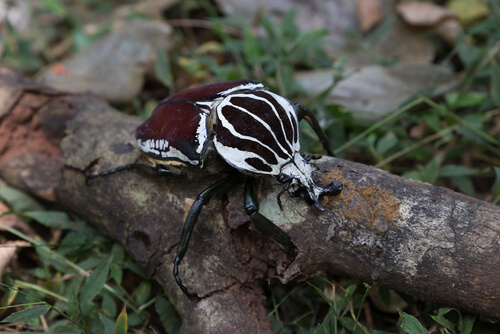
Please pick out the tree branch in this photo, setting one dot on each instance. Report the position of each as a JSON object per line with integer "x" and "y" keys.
{"x": 426, "y": 241}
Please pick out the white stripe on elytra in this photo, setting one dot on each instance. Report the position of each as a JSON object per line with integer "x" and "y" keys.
{"x": 206, "y": 106}
{"x": 292, "y": 117}
{"x": 261, "y": 121}
{"x": 247, "y": 86}
{"x": 226, "y": 124}
{"x": 237, "y": 158}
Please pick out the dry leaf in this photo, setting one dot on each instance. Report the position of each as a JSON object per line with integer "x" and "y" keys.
{"x": 468, "y": 11}
{"x": 7, "y": 251}
{"x": 121, "y": 14}
{"x": 372, "y": 92}
{"x": 115, "y": 66}
{"x": 429, "y": 15}
{"x": 369, "y": 13}
{"x": 449, "y": 31}
{"x": 14, "y": 222}
{"x": 424, "y": 14}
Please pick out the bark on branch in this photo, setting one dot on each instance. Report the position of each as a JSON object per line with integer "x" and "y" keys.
{"x": 426, "y": 241}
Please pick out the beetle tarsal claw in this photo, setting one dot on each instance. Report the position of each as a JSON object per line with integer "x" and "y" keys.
{"x": 333, "y": 188}
{"x": 312, "y": 193}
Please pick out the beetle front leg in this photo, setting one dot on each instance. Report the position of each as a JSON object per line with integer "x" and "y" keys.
{"x": 190, "y": 222}
{"x": 263, "y": 224}
{"x": 304, "y": 113}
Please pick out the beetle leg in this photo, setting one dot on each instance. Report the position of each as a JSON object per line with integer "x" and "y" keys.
{"x": 190, "y": 222}
{"x": 111, "y": 171}
{"x": 285, "y": 188}
{"x": 263, "y": 224}
{"x": 309, "y": 157}
{"x": 304, "y": 113}
{"x": 163, "y": 171}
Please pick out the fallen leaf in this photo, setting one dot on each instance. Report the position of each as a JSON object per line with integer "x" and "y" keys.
{"x": 449, "y": 30}
{"x": 373, "y": 91}
{"x": 369, "y": 13}
{"x": 7, "y": 251}
{"x": 14, "y": 221}
{"x": 468, "y": 11}
{"x": 120, "y": 15}
{"x": 18, "y": 14}
{"x": 418, "y": 13}
{"x": 428, "y": 15}
{"x": 402, "y": 44}
{"x": 114, "y": 67}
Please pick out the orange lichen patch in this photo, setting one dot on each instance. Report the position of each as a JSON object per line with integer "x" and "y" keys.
{"x": 372, "y": 206}
{"x": 333, "y": 175}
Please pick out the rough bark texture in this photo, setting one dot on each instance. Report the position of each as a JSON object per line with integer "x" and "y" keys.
{"x": 426, "y": 241}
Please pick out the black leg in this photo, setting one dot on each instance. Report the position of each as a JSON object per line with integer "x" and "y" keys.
{"x": 309, "y": 157}
{"x": 264, "y": 225}
{"x": 158, "y": 170}
{"x": 163, "y": 171}
{"x": 111, "y": 171}
{"x": 285, "y": 188}
{"x": 304, "y": 113}
{"x": 190, "y": 222}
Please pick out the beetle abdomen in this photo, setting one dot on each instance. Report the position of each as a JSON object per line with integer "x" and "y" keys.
{"x": 257, "y": 131}
{"x": 175, "y": 131}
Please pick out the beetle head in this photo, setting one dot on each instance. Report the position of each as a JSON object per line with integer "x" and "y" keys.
{"x": 298, "y": 176}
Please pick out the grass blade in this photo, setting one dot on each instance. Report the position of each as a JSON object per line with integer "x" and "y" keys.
{"x": 95, "y": 282}
{"x": 27, "y": 314}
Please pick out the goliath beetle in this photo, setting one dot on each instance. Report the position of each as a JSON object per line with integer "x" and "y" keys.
{"x": 234, "y": 128}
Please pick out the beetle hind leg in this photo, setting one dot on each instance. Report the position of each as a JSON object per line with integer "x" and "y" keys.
{"x": 190, "y": 222}
{"x": 304, "y": 113}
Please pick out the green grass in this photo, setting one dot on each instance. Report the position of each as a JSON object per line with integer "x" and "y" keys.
{"x": 82, "y": 282}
